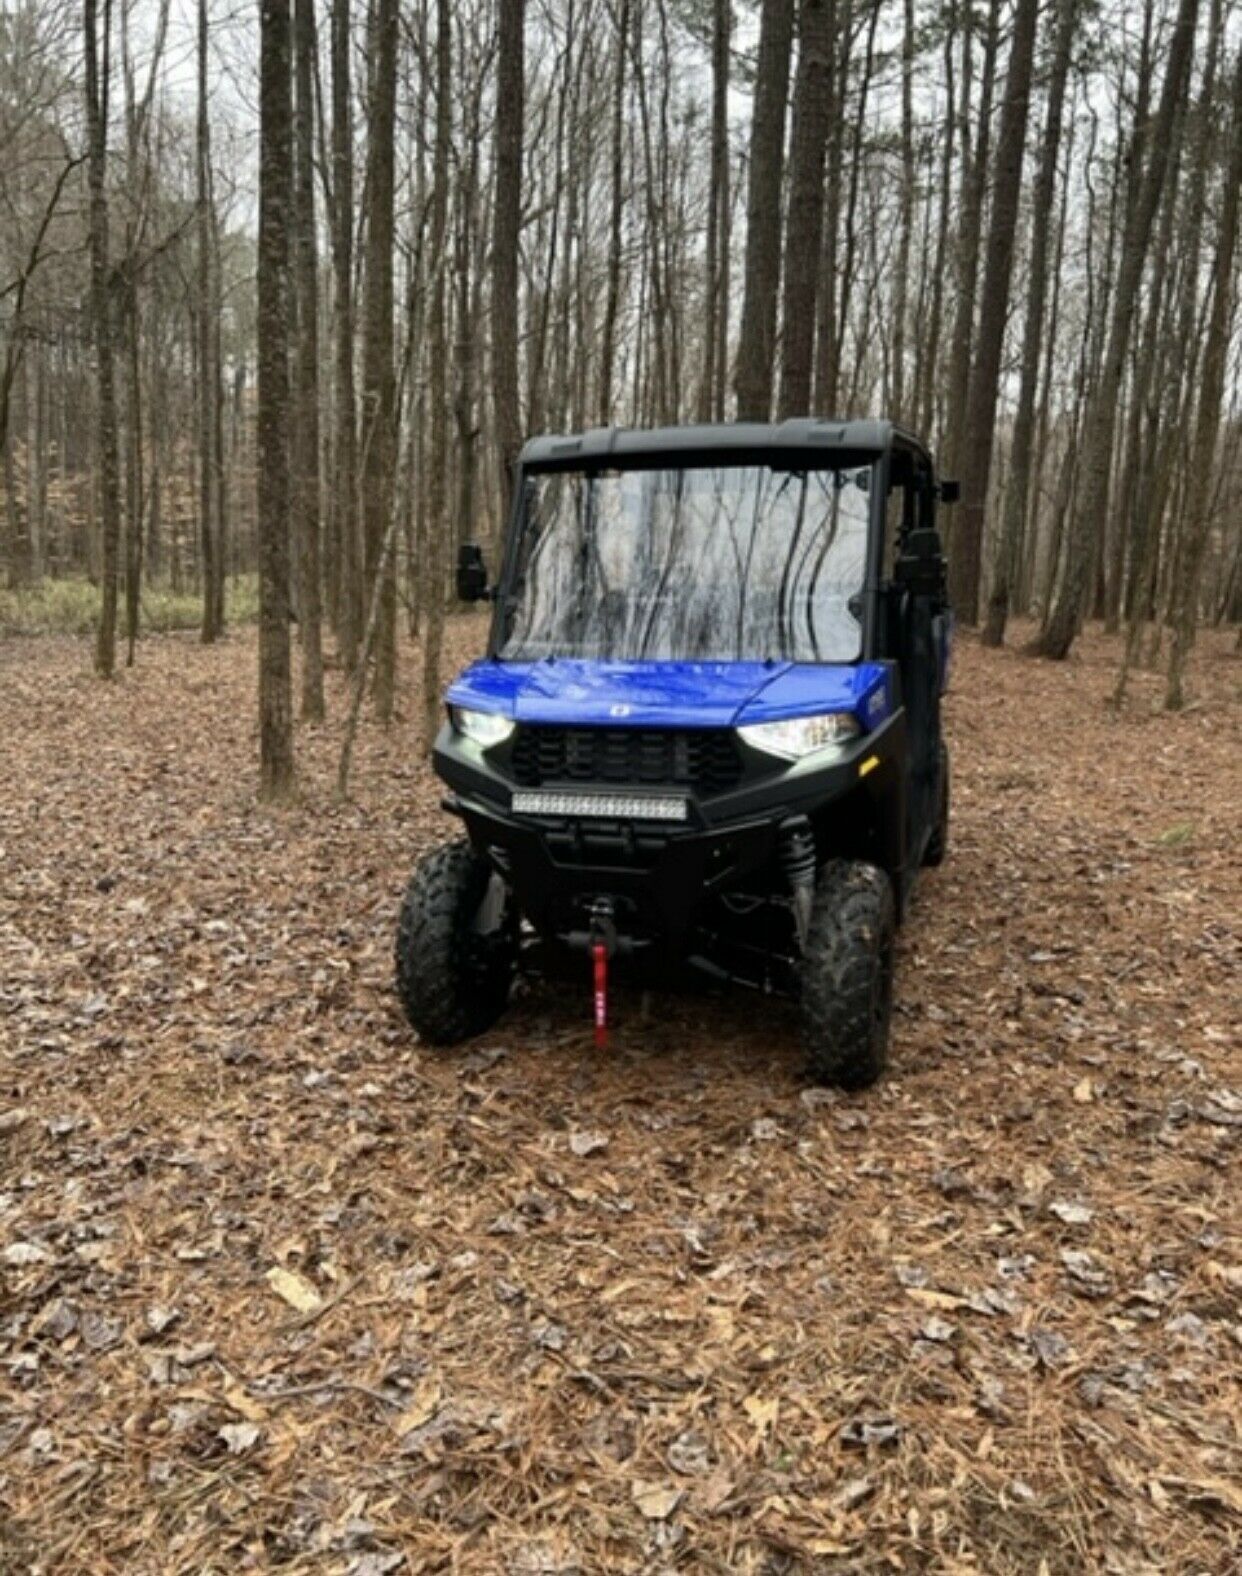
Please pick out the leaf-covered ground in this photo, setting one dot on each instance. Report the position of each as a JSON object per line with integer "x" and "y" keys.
{"x": 281, "y": 1289}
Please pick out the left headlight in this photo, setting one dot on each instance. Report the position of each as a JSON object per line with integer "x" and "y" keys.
{"x": 798, "y": 736}
{"x": 481, "y": 727}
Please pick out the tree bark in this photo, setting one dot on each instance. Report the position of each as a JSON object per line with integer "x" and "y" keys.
{"x": 1018, "y": 481}
{"x": 1101, "y": 418}
{"x": 379, "y": 387}
{"x": 969, "y": 234}
{"x": 437, "y": 336}
{"x": 756, "y": 351}
{"x": 106, "y": 434}
{"x": 715, "y": 329}
{"x": 344, "y": 403}
{"x": 804, "y": 221}
{"x": 272, "y": 422}
{"x": 1185, "y": 592}
{"x": 980, "y": 430}
{"x": 305, "y": 447}
{"x": 506, "y": 230}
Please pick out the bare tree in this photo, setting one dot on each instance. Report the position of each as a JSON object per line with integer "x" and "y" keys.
{"x": 437, "y": 333}
{"x": 1100, "y": 423}
{"x": 305, "y": 438}
{"x": 1185, "y": 592}
{"x": 1018, "y": 479}
{"x": 506, "y": 230}
{"x": 347, "y": 549}
{"x": 812, "y": 114}
{"x": 379, "y": 388}
{"x": 756, "y": 349}
{"x": 272, "y": 420}
{"x": 106, "y": 434}
{"x": 979, "y": 432}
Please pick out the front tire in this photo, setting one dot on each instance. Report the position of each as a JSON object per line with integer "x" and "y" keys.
{"x": 847, "y": 975}
{"x": 455, "y": 960}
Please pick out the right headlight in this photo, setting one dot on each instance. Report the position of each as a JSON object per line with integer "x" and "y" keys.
{"x": 794, "y": 737}
{"x": 482, "y": 727}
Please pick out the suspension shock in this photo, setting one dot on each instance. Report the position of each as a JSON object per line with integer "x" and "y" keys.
{"x": 797, "y": 855}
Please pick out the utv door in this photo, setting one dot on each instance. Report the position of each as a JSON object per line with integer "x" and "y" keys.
{"x": 918, "y": 638}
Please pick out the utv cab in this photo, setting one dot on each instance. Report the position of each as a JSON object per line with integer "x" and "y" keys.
{"x": 707, "y": 728}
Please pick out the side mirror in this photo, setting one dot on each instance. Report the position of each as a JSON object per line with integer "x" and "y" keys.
{"x": 471, "y": 573}
{"x": 950, "y": 492}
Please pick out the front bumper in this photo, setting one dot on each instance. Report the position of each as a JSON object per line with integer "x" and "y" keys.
{"x": 659, "y": 875}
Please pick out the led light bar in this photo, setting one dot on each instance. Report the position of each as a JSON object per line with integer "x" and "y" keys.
{"x": 609, "y": 806}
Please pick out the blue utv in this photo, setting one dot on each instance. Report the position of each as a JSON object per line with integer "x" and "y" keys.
{"x": 706, "y": 731}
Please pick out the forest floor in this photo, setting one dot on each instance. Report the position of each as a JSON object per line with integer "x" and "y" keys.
{"x": 282, "y": 1289}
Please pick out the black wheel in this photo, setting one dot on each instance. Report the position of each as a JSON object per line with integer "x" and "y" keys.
{"x": 847, "y": 975}
{"x": 938, "y": 842}
{"x": 456, "y": 946}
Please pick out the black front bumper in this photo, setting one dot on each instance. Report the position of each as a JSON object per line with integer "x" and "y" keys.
{"x": 660, "y": 876}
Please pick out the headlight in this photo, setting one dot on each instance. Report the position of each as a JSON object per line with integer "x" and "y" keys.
{"x": 482, "y": 727}
{"x": 799, "y": 736}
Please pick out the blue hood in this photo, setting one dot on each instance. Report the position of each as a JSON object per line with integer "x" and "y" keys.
{"x": 574, "y": 693}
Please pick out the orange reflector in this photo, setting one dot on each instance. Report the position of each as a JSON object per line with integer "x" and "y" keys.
{"x": 869, "y": 765}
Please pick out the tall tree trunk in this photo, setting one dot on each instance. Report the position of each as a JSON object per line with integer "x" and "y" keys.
{"x": 715, "y": 336}
{"x": 106, "y": 438}
{"x": 1018, "y": 481}
{"x": 379, "y": 388}
{"x": 616, "y": 212}
{"x": 970, "y": 231}
{"x": 804, "y": 220}
{"x": 1101, "y": 417}
{"x": 506, "y": 227}
{"x": 305, "y": 451}
{"x": 437, "y": 335}
{"x": 210, "y": 480}
{"x": 272, "y": 423}
{"x": 905, "y": 226}
{"x": 1185, "y": 591}
{"x": 980, "y": 429}
{"x": 344, "y": 404}
{"x": 756, "y": 351}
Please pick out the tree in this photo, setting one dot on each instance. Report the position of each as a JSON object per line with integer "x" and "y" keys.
{"x": 756, "y": 349}
{"x": 1100, "y": 421}
{"x": 272, "y": 416}
{"x": 506, "y": 231}
{"x": 1018, "y": 480}
{"x": 305, "y": 448}
{"x": 1185, "y": 595}
{"x": 210, "y": 415}
{"x": 716, "y": 243}
{"x": 106, "y": 435}
{"x": 348, "y": 581}
{"x": 980, "y": 428}
{"x": 437, "y": 334}
{"x": 970, "y": 227}
{"x": 379, "y": 388}
{"x": 804, "y": 221}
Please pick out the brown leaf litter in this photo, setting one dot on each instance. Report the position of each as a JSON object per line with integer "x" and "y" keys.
{"x": 282, "y": 1289}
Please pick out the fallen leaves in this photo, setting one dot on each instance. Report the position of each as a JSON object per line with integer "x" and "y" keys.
{"x": 665, "y": 1308}
{"x": 422, "y": 1406}
{"x": 293, "y": 1289}
{"x": 657, "y": 1501}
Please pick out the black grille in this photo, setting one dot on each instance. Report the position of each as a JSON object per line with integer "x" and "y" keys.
{"x": 704, "y": 759}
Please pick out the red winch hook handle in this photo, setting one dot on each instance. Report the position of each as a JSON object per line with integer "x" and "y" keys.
{"x": 599, "y": 955}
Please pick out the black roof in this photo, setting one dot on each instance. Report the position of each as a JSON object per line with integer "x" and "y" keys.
{"x": 788, "y": 438}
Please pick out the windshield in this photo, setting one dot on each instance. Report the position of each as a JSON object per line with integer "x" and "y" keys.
{"x": 720, "y": 563}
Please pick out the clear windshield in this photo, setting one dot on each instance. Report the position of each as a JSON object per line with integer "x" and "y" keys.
{"x": 725, "y": 563}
